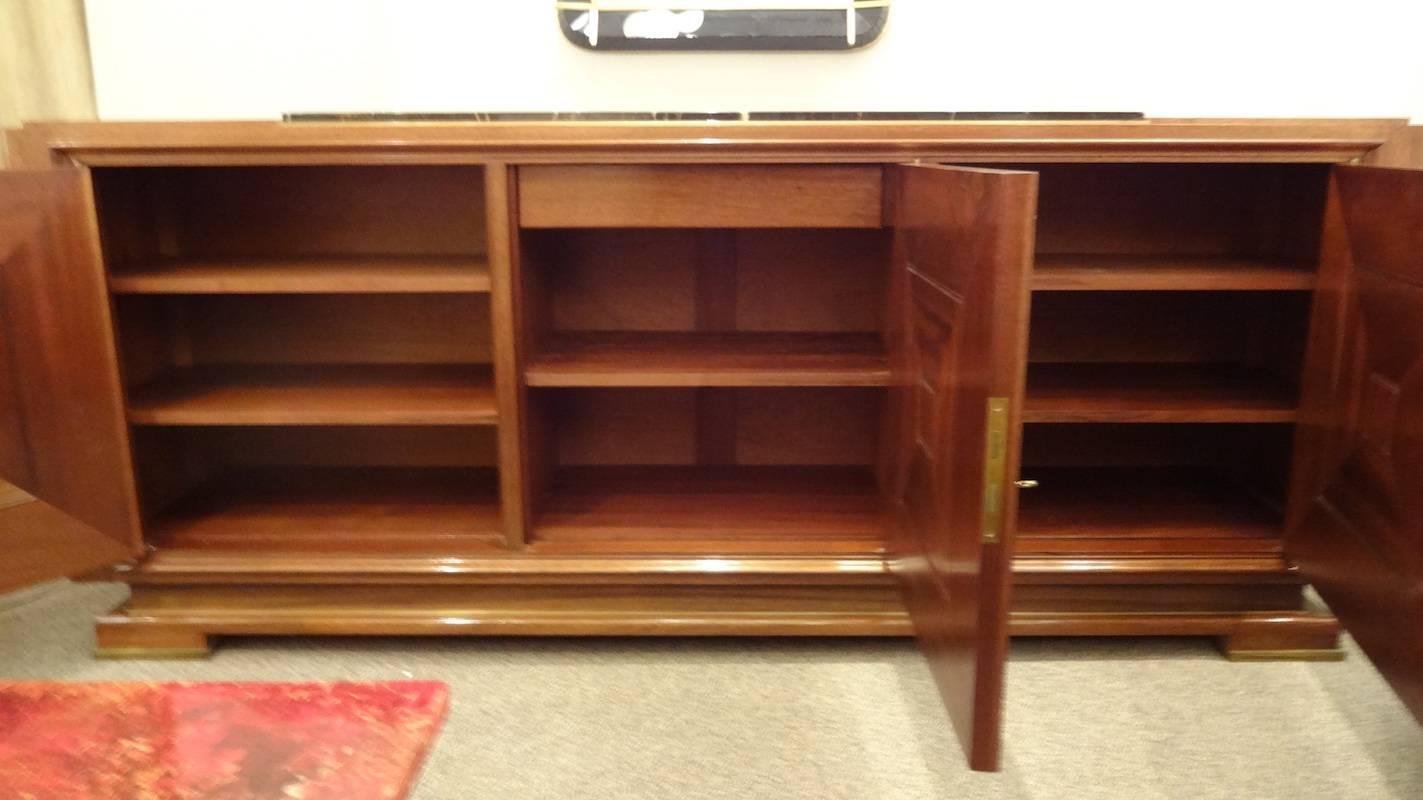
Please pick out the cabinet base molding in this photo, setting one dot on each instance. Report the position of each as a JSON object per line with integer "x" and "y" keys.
{"x": 505, "y": 610}
{"x": 1284, "y": 637}
{"x": 120, "y": 637}
{"x": 179, "y": 621}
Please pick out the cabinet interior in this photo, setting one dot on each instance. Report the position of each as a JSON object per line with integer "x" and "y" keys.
{"x": 1170, "y": 313}
{"x": 706, "y": 390}
{"x": 306, "y": 353}
{"x": 307, "y": 359}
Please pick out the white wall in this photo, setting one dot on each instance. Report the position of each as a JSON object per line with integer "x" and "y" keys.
{"x": 235, "y": 59}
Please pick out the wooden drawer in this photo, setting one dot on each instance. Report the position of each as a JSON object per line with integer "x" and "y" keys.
{"x": 700, "y": 196}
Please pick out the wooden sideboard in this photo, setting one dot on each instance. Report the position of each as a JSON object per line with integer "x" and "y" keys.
{"x": 962, "y": 380}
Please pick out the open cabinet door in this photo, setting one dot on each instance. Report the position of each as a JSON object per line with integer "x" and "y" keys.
{"x": 963, "y": 251}
{"x": 1356, "y": 521}
{"x": 69, "y": 504}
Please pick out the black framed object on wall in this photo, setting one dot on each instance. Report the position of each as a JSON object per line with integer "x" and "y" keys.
{"x": 722, "y": 24}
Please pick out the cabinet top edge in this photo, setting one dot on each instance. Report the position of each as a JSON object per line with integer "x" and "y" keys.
{"x": 40, "y": 144}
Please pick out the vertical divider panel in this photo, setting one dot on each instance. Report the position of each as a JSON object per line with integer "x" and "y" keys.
{"x": 717, "y": 273}
{"x": 505, "y": 312}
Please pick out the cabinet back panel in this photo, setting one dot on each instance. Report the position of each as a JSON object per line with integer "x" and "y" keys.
{"x": 255, "y": 212}
{"x": 811, "y": 280}
{"x": 1180, "y": 209}
{"x": 1263, "y": 329}
{"x": 829, "y": 280}
{"x": 352, "y": 446}
{"x": 819, "y": 426}
{"x": 1153, "y": 445}
{"x": 623, "y": 426}
{"x": 1255, "y": 457}
{"x": 304, "y": 329}
{"x": 714, "y": 426}
{"x": 643, "y": 280}
{"x": 173, "y": 461}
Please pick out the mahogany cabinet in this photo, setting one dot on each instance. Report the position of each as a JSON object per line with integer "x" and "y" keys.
{"x": 963, "y": 380}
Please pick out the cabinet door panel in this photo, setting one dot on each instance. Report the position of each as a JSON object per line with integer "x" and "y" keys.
{"x": 963, "y": 253}
{"x": 64, "y": 440}
{"x": 1356, "y": 522}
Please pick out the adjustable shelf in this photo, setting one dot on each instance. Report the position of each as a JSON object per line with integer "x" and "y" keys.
{"x": 709, "y": 359}
{"x": 1143, "y": 510}
{"x": 1188, "y": 392}
{"x": 1106, "y": 273}
{"x": 434, "y": 509}
{"x": 307, "y": 275}
{"x": 365, "y": 394}
{"x": 711, "y": 509}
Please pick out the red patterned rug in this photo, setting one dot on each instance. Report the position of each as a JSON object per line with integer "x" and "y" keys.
{"x": 215, "y": 741}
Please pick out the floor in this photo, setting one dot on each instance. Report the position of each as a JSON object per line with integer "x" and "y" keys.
{"x": 629, "y": 719}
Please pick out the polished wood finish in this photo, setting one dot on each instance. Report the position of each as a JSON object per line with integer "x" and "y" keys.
{"x": 963, "y": 256}
{"x": 711, "y": 509}
{"x": 1356, "y": 524}
{"x": 175, "y": 567}
{"x": 799, "y": 426}
{"x": 157, "y": 333}
{"x": 62, "y": 384}
{"x": 1154, "y": 140}
{"x": 710, "y": 359}
{"x": 166, "y": 621}
{"x": 379, "y": 394}
{"x": 1276, "y": 637}
{"x": 1404, "y": 148}
{"x": 1113, "y": 392}
{"x": 1179, "y": 213}
{"x": 122, "y": 639}
{"x": 346, "y": 353}
{"x": 528, "y": 610}
{"x": 506, "y": 310}
{"x": 1143, "y": 511}
{"x": 325, "y": 510}
{"x": 700, "y": 197}
{"x": 1263, "y": 330}
{"x": 371, "y": 275}
{"x": 1166, "y": 273}
{"x": 302, "y": 216}
{"x": 43, "y": 543}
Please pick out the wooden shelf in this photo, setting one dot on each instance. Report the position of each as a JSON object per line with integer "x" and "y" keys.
{"x": 710, "y": 359}
{"x": 307, "y": 275}
{"x": 374, "y": 394}
{"x": 1106, "y": 273}
{"x": 1150, "y": 511}
{"x": 1155, "y": 393}
{"x": 328, "y": 510}
{"x": 732, "y": 509}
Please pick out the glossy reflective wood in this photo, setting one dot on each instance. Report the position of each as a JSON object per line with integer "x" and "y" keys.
{"x": 1106, "y": 392}
{"x": 710, "y": 359}
{"x": 963, "y": 256}
{"x": 1161, "y": 140}
{"x": 41, "y": 543}
{"x": 305, "y": 276}
{"x": 506, "y": 310}
{"x": 70, "y": 449}
{"x": 712, "y": 510}
{"x": 530, "y": 609}
{"x": 700, "y": 197}
{"x": 1357, "y": 515}
{"x": 306, "y": 394}
{"x": 436, "y": 511}
{"x": 1116, "y": 273}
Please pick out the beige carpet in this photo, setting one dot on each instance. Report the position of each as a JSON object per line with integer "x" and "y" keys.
{"x": 747, "y": 719}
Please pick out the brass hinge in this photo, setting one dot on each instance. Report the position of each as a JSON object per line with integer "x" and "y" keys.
{"x": 994, "y": 458}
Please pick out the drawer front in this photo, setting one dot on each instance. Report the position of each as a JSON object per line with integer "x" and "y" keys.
{"x": 700, "y": 196}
